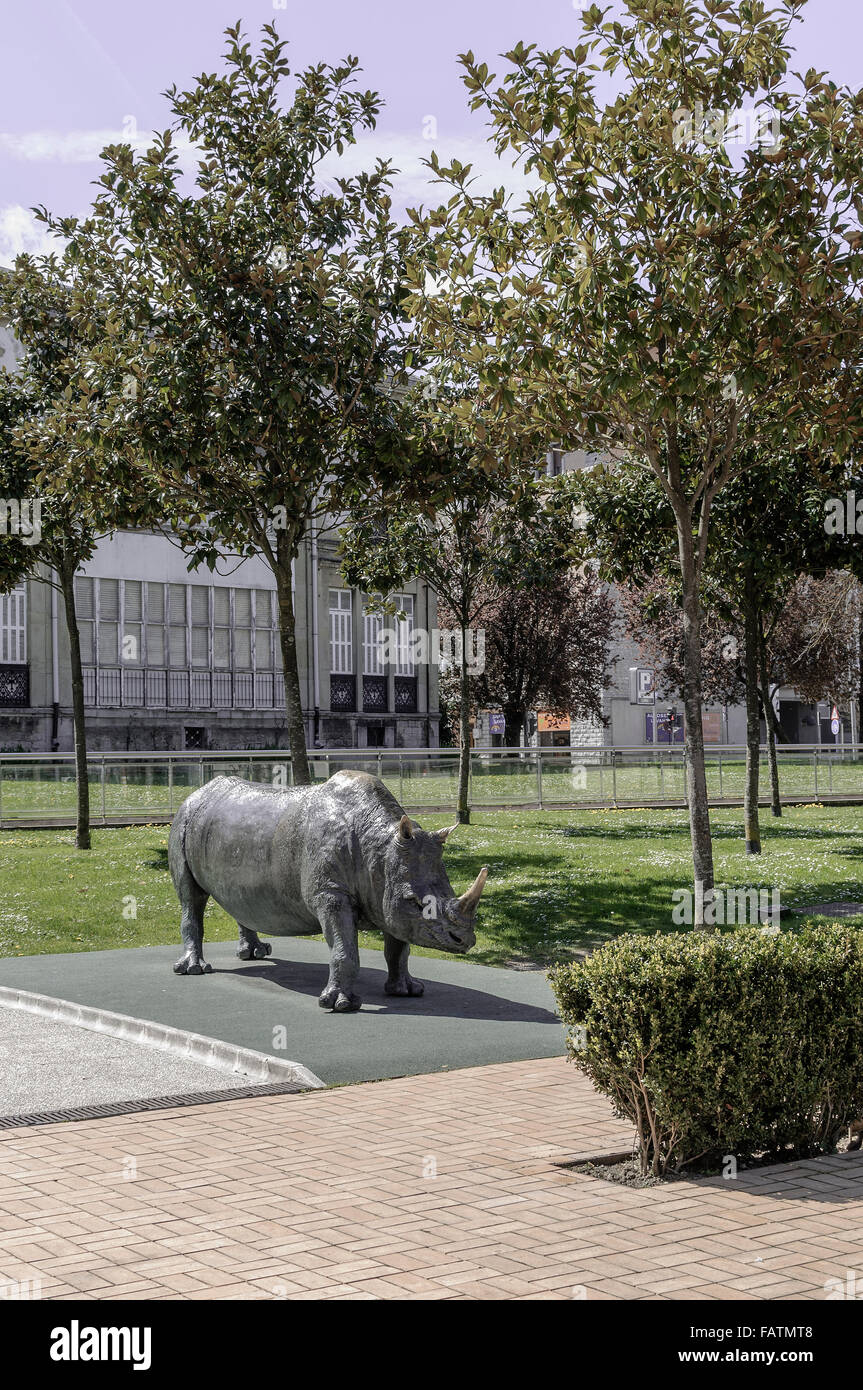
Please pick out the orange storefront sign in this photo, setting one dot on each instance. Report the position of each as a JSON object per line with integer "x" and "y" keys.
{"x": 552, "y": 723}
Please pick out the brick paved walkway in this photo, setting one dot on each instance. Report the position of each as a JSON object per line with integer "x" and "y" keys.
{"x": 333, "y": 1194}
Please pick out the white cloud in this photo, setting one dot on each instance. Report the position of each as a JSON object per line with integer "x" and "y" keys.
{"x": 20, "y": 232}
{"x": 414, "y": 183}
{"x": 75, "y": 146}
{"x": 69, "y": 147}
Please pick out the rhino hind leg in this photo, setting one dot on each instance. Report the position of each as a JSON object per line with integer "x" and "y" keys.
{"x": 251, "y": 946}
{"x": 399, "y": 982}
{"x": 193, "y": 900}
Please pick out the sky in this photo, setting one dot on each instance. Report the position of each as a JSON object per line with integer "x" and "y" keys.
{"x": 76, "y": 76}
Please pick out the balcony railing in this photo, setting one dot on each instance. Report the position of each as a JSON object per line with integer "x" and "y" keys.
{"x": 107, "y": 687}
{"x": 14, "y": 687}
{"x": 406, "y": 694}
{"x": 343, "y": 693}
{"x": 374, "y": 694}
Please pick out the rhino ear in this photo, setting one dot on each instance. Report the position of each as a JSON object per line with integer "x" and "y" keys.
{"x": 406, "y": 829}
{"x": 442, "y": 835}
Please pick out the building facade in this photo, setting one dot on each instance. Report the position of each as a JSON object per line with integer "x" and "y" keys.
{"x": 177, "y": 660}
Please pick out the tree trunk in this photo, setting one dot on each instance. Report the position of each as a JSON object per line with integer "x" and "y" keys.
{"x": 696, "y": 776}
{"x": 859, "y": 673}
{"x": 767, "y": 705}
{"x": 464, "y": 735}
{"x": 514, "y": 721}
{"x": 751, "y": 626}
{"x": 293, "y": 701}
{"x": 66, "y": 575}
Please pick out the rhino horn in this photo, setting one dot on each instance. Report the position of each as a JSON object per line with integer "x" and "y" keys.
{"x": 442, "y": 834}
{"x": 468, "y": 901}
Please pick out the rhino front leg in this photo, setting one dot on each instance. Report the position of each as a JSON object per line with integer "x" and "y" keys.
{"x": 251, "y": 947}
{"x": 339, "y": 923}
{"x": 399, "y": 981}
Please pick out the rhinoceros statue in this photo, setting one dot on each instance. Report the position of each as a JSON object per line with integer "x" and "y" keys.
{"x": 331, "y": 858}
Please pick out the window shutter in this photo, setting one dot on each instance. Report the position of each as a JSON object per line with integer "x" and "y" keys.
{"x": 13, "y": 627}
{"x": 84, "y": 597}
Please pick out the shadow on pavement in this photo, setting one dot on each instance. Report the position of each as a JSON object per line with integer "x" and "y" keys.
{"x": 441, "y": 1000}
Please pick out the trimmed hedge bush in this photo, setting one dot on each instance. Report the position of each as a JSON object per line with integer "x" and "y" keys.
{"x": 716, "y": 1044}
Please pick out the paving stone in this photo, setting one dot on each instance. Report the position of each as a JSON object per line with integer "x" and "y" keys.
{"x": 499, "y": 1222}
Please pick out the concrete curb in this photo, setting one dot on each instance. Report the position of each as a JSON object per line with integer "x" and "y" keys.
{"x": 259, "y": 1067}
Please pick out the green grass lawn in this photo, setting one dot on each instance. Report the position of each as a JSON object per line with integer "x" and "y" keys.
{"x": 559, "y": 880}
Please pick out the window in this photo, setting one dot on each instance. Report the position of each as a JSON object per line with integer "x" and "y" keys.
{"x": 177, "y": 634}
{"x": 202, "y": 644}
{"x": 200, "y": 617}
{"x": 555, "y": 463}
{"x": 242, "y": 629}
{"x": 372, "y": 659}
{"x": 108, "y": 630}
{"x": 222, "y": 629}
{"x": 131, "y": 646}
{"x": 404, "y": 635}
{"x": 155, "y": 625}
{"x": 264, "y": 613}
{"x": 13, "y": 627}
{"x": 341, "y": 632}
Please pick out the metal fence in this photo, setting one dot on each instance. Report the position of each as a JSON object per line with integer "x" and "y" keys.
{"x": 38, "y": 788}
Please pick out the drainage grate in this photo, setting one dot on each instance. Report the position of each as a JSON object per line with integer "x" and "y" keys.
{"x": 133, "y": 1107}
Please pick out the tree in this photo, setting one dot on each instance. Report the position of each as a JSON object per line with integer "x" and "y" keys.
{"x": 654, "y": 297}
{"x": 484, "y": 539}
{"x": 813, "y": 645}
{"x": 546, "y": 647}
{"x": 38, "y": 415}
{"x": 255, "y": 333}
{"x": 768, "y": 527}
{"x": 654, "y": 621}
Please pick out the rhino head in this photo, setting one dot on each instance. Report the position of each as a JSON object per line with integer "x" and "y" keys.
{"x": 419, "y": 904}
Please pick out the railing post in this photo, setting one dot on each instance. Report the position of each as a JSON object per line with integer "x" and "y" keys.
{"x": 401, "y": 782}
{"x": 614, "y": 778}
{"x": 380, "y": 766}
{"x": 815, "y": 766}
{"x": 1, "y": 791}
{"x": 170, "y": 785}
{"x": 719, "y": 756}
{"x": 539, "y": 776}
{"x": 661, "y": 777}
{"x": 102, "y": 781}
